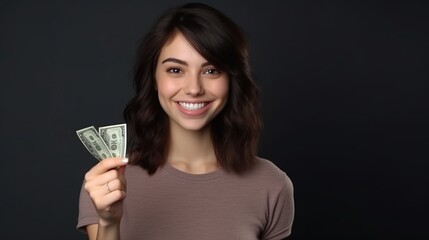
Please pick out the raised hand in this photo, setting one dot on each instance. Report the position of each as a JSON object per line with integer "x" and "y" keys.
{"x": 105, "y": 184}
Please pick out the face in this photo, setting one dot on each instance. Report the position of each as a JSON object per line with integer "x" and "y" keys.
{"x": 190, "y": 89}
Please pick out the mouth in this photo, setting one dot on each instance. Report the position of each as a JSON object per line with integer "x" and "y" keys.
{"x": 193, "y": 106}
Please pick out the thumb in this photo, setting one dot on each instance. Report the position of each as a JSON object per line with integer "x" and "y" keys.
{"x": 121, "y": 169}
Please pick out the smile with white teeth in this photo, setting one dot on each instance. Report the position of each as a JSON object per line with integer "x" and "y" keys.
{"x": 192, "y": 106}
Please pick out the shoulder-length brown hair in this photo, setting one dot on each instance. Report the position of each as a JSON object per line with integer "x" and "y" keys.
{"x": 235, "y": 130}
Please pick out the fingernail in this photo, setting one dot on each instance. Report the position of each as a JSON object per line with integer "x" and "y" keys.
{"x": 125, "y": 160}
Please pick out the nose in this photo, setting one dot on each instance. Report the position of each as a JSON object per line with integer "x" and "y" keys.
{"x": 194, "y": 86}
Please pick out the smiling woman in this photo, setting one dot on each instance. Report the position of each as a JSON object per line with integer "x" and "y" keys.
{"x": 191, "y": 90}
{"x": 194, "y": 125}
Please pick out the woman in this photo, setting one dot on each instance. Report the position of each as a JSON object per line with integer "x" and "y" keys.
{"x": 194, "y": 126}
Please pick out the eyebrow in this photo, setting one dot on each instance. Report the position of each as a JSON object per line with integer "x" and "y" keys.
{"x": 175, "y": 60}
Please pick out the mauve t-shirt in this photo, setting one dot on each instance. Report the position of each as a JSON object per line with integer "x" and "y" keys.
{"x": 172, "y": 204}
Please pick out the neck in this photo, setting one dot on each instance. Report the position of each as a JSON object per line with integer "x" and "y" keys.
{"x": 192, "y": 151}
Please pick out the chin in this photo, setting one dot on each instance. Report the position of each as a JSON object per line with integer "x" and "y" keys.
{"x": 194, "y": 127}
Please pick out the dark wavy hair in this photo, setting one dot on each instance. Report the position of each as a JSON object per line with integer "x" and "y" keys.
{"x": 235, "y": 130}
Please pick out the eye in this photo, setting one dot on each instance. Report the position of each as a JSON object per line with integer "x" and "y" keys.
{"x": 174, "y": 70}
{"x": 212, "y": 71}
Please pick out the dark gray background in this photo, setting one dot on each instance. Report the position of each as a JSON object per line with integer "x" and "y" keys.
{"x": 345, "y": 105}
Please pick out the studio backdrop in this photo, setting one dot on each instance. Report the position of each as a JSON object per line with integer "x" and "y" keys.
{"x": 344, "y": 98}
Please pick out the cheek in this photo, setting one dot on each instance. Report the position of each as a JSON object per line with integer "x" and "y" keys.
{"x": 166, "y": 87}
{"x": 163, "y": 95}
{"x": 222, "y": 89}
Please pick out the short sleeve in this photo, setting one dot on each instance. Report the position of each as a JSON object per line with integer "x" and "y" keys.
{"x": 280, "y": 213}
{"x": 87, "y": 212}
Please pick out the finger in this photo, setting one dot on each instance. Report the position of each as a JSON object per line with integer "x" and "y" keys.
{"x": 104, "y": 166}
{"x": 99, "y": 194}
{"x": 104, "y": 178}
{"x": 121, "y": 169}
{"x": 121, "y": 172}
{"x": 114, "y": 185}
{"x": 105, "y": 202}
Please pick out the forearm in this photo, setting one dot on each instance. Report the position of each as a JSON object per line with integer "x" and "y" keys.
{"x": 108, "y": 231}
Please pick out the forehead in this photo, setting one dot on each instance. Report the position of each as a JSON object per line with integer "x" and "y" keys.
{"x": 177, "y": 46}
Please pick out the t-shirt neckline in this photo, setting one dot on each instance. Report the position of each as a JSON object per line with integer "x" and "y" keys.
{"x": 194, "y": 177}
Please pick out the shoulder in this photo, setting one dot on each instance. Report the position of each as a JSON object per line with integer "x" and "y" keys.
{"x": 268, "y": 169}
{"x": 266, "y": 174}
{"x": 135, "y": 173}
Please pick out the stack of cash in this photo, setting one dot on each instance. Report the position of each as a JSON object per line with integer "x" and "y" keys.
{"x": 108, "y": 141}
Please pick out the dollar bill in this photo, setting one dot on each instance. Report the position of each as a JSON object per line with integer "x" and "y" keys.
{"x": 94, "y": 143}
{"x": 115, "y": 137}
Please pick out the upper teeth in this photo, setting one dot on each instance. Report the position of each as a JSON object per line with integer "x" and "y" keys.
{"x": 192, "y": 106}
